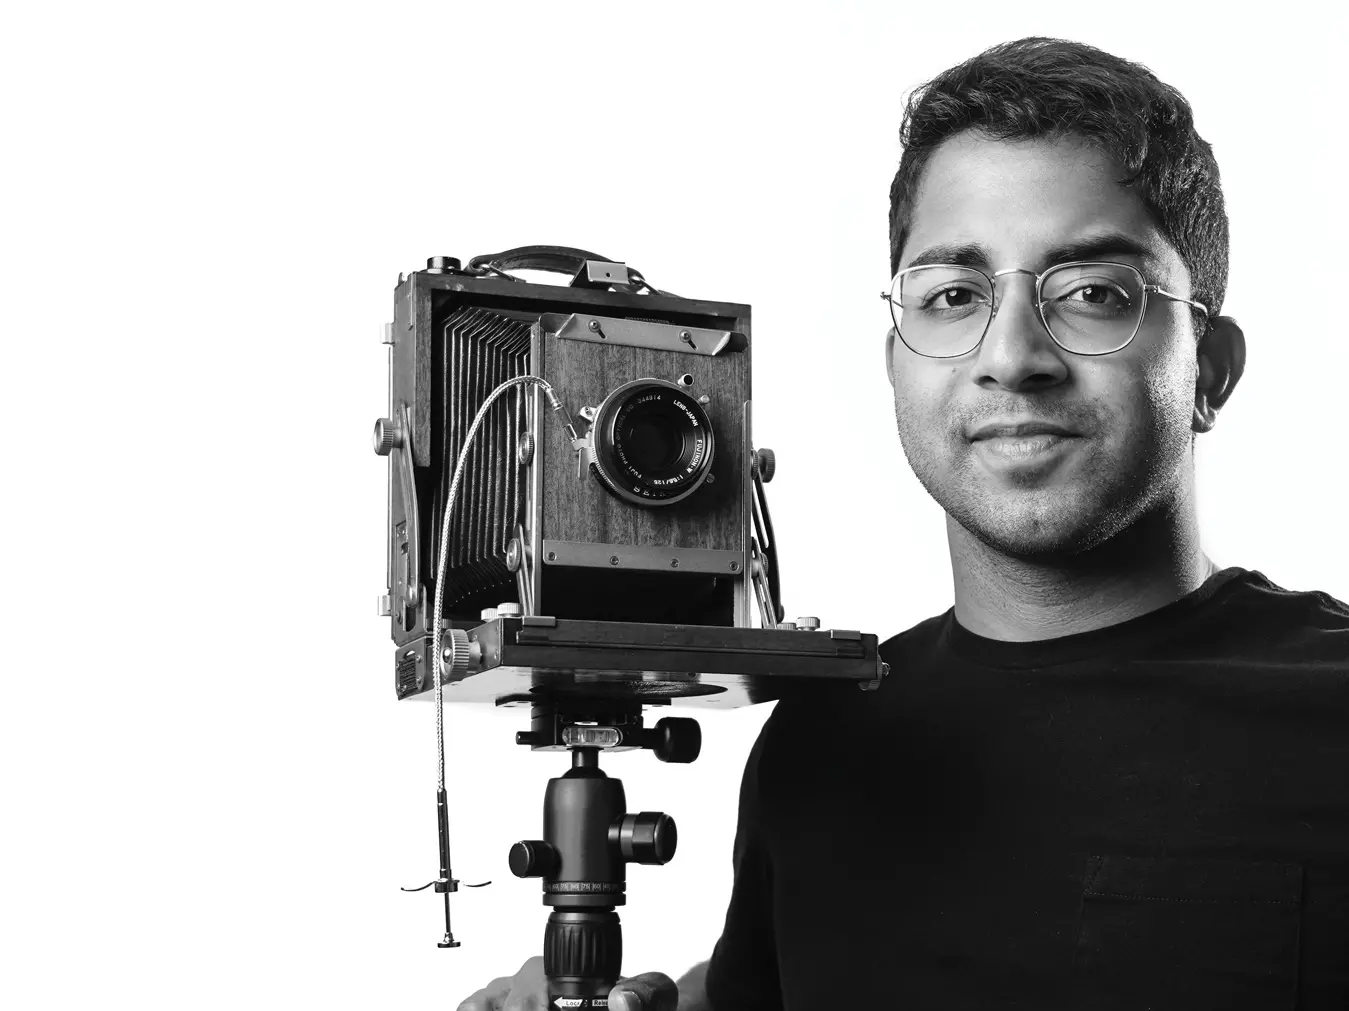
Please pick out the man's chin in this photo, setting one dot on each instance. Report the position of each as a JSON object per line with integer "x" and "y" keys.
{"x": 1038, "y": 525}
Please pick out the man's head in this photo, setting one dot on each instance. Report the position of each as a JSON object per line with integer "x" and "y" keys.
{"x": 1041, "y": 152}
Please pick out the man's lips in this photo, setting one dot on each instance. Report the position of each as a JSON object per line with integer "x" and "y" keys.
{"x": 1018, "y": 429}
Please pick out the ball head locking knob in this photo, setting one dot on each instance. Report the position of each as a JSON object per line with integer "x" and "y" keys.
{"x": 387, "y": 436}
{"x": 532, "y": 858}
{"x": 647, "y": 838}
{"x": 766, "y": 463}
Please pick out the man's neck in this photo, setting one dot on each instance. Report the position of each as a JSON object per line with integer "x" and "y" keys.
{"x": 1154, "y": 562}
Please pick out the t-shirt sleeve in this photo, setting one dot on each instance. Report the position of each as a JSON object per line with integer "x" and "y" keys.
{"x": 743, "y": 974}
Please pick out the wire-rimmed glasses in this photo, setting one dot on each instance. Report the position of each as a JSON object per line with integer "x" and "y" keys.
{"x": 943, "y": 310}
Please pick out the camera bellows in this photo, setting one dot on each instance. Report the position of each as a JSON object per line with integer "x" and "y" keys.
{"x": 482, "y": 349}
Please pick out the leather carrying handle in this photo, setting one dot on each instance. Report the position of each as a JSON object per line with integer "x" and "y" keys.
{"x": 562, "y": 259}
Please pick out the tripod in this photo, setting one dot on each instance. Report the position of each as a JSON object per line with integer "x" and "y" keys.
{"x": 589, "y": 838}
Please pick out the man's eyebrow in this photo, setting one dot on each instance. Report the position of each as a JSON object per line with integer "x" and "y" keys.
{"x": 1099, "y": 247}
{"x": 962, "y": 254}
{"x": 1096, "y": 247}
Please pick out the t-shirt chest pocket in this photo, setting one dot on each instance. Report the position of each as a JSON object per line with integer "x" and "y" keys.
{"x": 1165, "y": 932}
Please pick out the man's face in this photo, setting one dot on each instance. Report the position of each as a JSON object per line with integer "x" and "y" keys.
{"x": 1030, "y": 204}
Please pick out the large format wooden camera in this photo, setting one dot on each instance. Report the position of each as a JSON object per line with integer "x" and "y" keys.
{"x": 640, "y": 514}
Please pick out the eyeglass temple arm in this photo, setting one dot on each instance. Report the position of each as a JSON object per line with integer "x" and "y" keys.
{"x": 1157, "y": 290}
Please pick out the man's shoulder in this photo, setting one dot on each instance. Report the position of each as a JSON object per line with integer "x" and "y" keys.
{"x": 915, "y": 648}
{"x": 1269, "y": 618}
{"x": 918, "y": 640}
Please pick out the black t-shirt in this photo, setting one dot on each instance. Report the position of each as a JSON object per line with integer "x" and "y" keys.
{"x": 1151, "y": 815}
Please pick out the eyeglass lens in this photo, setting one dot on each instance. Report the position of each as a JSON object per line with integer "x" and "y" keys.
{"x": 1090, "y": 308}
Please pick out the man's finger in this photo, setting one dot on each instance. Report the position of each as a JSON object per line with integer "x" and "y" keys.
{"x": 526, "y": 1001}
{"x": 651, "y": 991}
{"x": 489, "y": 997}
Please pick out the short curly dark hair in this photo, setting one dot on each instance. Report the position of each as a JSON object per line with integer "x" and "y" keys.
{"x": 1040, "y": 87}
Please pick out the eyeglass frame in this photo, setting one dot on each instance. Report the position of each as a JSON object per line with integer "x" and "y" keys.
{"x": 1039, "y": 302}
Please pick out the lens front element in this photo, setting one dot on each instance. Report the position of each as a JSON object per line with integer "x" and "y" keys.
{"x": 653, "y": 443}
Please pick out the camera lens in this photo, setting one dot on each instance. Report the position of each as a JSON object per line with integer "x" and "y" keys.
{"x": 653, "y": 443}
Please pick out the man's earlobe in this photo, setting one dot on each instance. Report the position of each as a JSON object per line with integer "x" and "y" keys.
{"x": 890, "y": 355}
{"x": 1222, "y": 360}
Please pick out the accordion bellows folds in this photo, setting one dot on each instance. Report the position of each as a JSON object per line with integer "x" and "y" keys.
{"x": 482, "y": 349}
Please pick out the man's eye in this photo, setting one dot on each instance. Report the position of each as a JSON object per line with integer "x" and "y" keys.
{"x": 952, "y": 298}
{"x": 1102, "y": 295}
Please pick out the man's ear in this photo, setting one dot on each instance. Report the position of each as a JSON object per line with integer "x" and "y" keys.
{"x": 890, "y": 355}
{"x": 1222, "y": 360}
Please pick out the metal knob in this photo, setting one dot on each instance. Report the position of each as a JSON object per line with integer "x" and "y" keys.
{"x": 532, "y": 858}
{"x": 647, "y": 838}
{"x": 679, "y": 740}
{"x": 458, "y": 654}
{"x": 808, "y": 623}
{"x": 510, "y": 609}
{"x": 387, "y": 437}
{"x": 766, "y": 463}
{"x": 442, "y": 264}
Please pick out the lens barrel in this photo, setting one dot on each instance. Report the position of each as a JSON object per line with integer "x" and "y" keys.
{"x": 653, "y": 443}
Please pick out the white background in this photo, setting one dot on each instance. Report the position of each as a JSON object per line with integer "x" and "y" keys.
{"x": 210, "y": 794}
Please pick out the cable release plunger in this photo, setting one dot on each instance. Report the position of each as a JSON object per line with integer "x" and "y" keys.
{"x": 446, "y": 883}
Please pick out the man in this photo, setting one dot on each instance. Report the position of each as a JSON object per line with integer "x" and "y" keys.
{"x": 1112, "y": 776}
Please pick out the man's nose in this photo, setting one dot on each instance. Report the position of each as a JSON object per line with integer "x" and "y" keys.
{"x": 1017, "y": 352}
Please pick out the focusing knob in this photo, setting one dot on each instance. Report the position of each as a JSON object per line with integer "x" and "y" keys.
{"x": 532, "y": 858}
{"x": 766, "y": 462}
{"x": 679, "y": 740}
{"x": 646, "y": 838}
{"x": 457, "y": 654}
{"x": 387, "y": 436}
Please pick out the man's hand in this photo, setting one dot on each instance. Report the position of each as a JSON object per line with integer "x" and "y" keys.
{"x": 527, "y": 990}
